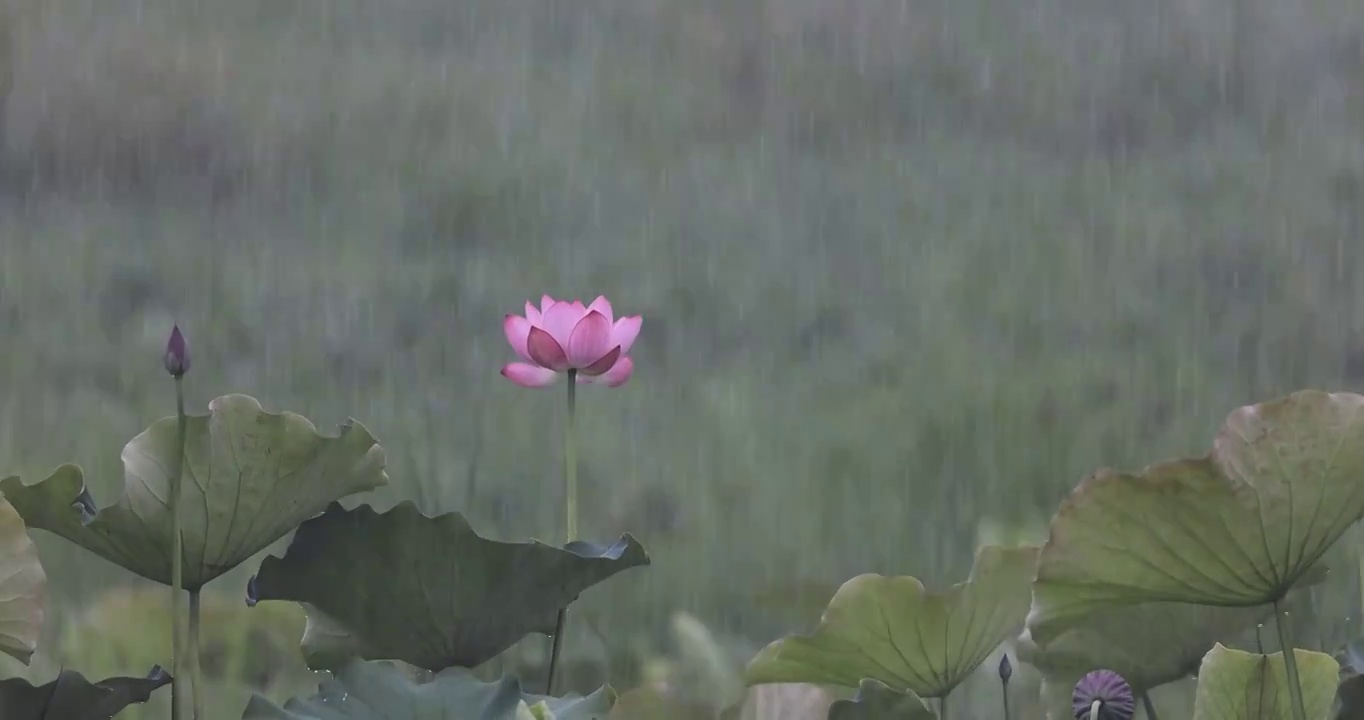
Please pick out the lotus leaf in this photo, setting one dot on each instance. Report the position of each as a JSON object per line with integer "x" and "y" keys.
{"x": 1239, "y": 527}
{"x": 649, "y": 703}
{"x": 72, "y": 696}
{"x": 1236, "y": 685}
{"x": 1350, "y": 696}
{"x": 782, "y": 701}
{"x": 435, "y": 594}
{"x": 23, "y": 587}
{"x": 250, "y": 477}
{"x": 893, "y": 630}
{"x": 380, "y": 691}
{"x": 875, "y": 701}
{"x": 1350, "y": 692}
{"x": 1173, "y": 639}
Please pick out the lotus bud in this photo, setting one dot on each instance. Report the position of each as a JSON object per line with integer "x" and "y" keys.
{"x": 177, "y": 353}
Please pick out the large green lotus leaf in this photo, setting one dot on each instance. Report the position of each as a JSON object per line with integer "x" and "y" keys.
{"x": 781, "y": 701}
{"x": 647, "y": 703}
{"x": 1239, "y": 527}
{"x": 1350, "y": 692}
{"x": 380, "y": 691}
{"x": 1350, "y": 696}
{"x": 1236, "y": 685}
{"x": 429, "y": 591}
{"x": 250, "y": 477}
{"x": 23, "y": 588}
{"x": 893, "y": 630}
{"x": 71, "y": 696}
{"x": 875, "y": 701}
{"x": 1149, "y": 645}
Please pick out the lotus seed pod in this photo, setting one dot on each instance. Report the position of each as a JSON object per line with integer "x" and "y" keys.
{"x": 1110, "y": 691}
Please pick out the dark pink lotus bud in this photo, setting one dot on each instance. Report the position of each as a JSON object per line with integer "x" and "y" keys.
{"x": 177, "y": 353}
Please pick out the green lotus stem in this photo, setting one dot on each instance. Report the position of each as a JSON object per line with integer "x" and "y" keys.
{"x": 1359, "y": 561}
{"x": 570, "y": 521}
{"x": 196, "y": 673}
{"x": 177, "y": 549}
{"x": 571, "y": 460}
{"x": 1006, "y": 701}
{"x": 1290, "y": 663}
{"x": 1148, "y": 705}
{"x": 942, "y": 707}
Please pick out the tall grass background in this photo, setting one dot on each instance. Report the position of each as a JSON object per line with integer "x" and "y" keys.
{"x": 906, "y": 266}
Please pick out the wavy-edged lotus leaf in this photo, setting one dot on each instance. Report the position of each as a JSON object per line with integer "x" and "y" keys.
{"x": 1238, "y": 527}
{"x": 1172, "y": 641}
{"x": 400, "y": 585}
{"x": 1350, "y": 696}
{"x": 782, "y": 701}
{"x": 649, "y": 703}
{"x": 23, "y": 588}
{"x": 1237, "y": 685}
{"x": 70, "y": 695}
{"x": 380, "y": 691}
{"x": 876, "y": 701}
{"x": 1350, "y": 691}
{"x": 250, "y": 477}
{"x": 893, "y": 630}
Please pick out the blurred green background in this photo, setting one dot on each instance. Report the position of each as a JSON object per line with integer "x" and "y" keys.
{"x": 906, "y": 266}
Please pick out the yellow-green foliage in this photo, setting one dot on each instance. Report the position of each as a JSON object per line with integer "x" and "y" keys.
{"x": 126, "y": 631}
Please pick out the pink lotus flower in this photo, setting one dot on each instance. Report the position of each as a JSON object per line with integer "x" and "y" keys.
{"x": 560, "y": 336}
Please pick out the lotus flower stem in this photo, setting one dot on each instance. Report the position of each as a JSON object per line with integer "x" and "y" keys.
{"x": 571, "y": 460}
{"x": 1149, "y": 706}
{"x": 1094, "y": 709}
{"x": 1290, "y": 663}
{"x": 571, "y": 519}
{"x": 177, "y": 549}
{"x": 196, "y": 673}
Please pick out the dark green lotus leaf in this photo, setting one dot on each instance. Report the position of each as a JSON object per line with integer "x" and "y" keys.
{"x": 875, "y": 701}
{"x": 1236, "y": 685}
{"x": 1170, "y": 643}
{"x": 250, "y": 477}
{"x": 1238, "y": 527}
{"x": 1350, "y": 696}
{"x": 399, "y": 585}
{"x": 380, "y": 691}
{"x": 893, "y": 630}
{"x": 71, "y": 696}
{"x": 23, "y": 588}
{"x": 1350, "y": 692}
